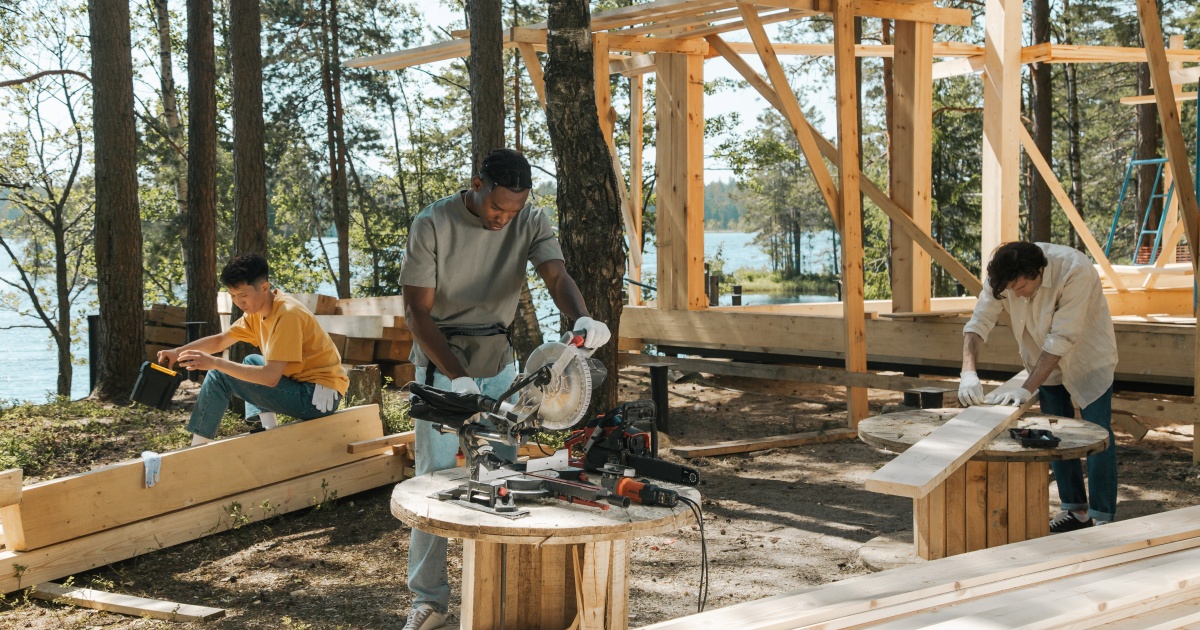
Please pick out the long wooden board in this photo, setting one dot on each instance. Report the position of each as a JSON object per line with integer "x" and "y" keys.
{"x": 761, "y": 444}
{"x": 931, "y": 579}
{"x": 917, "y": 470}
{"x": 124, "y": 604}
{"x": 197, "y": 521}
{"x": 10, "y": 486}
{"x": 61, "y": 509}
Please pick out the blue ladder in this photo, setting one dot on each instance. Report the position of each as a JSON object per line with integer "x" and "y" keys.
{"x": 1145, "y": 231}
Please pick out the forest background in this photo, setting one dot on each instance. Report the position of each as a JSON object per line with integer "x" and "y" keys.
{"x": 351, "y": 155}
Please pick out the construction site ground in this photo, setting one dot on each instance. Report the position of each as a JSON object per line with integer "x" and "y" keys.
{"x": 776, "y": 521}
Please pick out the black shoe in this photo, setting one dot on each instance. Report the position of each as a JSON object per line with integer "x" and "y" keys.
{"x": 1068, "y": 522}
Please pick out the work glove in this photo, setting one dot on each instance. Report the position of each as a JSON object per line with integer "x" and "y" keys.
{"x": 1013, "y": 398}
{"x": 596, "y": 334}
{"x": 970, "y": 390}
{"x": 324, "y": 399}
{"x": 465, "y": 385}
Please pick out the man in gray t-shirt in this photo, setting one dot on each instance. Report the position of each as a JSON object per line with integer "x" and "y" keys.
{"x": 462, "y": 277}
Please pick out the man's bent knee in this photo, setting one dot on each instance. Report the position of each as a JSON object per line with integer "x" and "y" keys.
{"x": 254, "y": 359}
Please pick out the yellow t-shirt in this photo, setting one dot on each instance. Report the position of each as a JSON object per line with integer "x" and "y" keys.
{"x": 291, "y": 333}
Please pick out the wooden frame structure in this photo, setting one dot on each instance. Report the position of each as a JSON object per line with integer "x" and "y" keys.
{"x": 674, "y": 38}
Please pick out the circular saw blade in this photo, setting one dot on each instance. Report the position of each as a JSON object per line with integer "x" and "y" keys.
{"x": 567, "y": 395}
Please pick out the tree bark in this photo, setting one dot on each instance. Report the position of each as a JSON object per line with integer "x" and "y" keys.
{"x": 486, "y": 68}
{"x": 1073, "y": 125}
{"x": 331, "y": 67}
{"x": 1149, "y": 134}
{"x": 1040, "y": 104}
{"x": 201, "y": 266}
{"x": 589, "y": 207}
{"x": 118, "y": 224}
{"x": 166, "y": 77}
{"x": 249, "y": 154}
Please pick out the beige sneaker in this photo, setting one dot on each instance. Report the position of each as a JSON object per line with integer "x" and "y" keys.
{"x": 425, "y": 617}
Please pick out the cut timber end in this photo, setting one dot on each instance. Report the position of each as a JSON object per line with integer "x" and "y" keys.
{"x": 916, "y": 471}
{"x": 124, "y": 604}
{"x": 10, "y": 486}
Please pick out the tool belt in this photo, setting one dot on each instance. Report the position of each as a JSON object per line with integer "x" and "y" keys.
{"x": 462, "y": 331}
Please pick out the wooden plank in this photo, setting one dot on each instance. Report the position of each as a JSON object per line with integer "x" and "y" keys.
{"x": 105, "y": 498}
{"x": 617, "y": 615}
{"x": 1037, "y": 495}
{"x": 512, "y": 593}
{"x": 997, "y": 504}
{"x": 383, "y": 305}
{"x": 593, "y": 571}
{"x": 557, "y": 581}
{"x": 850, "y": 206}
{"x": 316, "y": 303}
{"x": 164, "y": 316}
{"x": 603, "y": 88}
{"x": 940, "y": 49}
{"x": 534, "y": 67}
{"x": 910, "y": 157}
{"x": 482, "y": 595}
{"x": 1016, "y": 502}
{"x": 395, "y": 351}
{"x": 762, "y": 444}
{"x": 529, "y": 611}
{"x": 915, "y": 12}
{"x": 10, "y": 486}
{"x": 1064, "y": 202}
{"x": 791, "y": 109}
{"x": 1001, "y": 117}
{"x": 165, "y": 335}
{"x": 378, "y": 444}
{"x": 359, "y": 350}
{"x": 636, "y": 125}
{"x": 1020, "y": 562}
{"x": 361, "y": 326}
{"x": 937, "y": 521}
{"x": 956, "y": 511}
{"x": 401, "y": 373}
{"x": 124, "y": 604}
{"x": 195, "y": 521}
{"x": 921, "y": 526}
{"x": 976, "y": 505}
{"x": 917, "y": 470}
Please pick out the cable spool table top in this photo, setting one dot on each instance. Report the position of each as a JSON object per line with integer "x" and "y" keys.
{"x": 550, "y": 521}
{"x": 901, "y": 429}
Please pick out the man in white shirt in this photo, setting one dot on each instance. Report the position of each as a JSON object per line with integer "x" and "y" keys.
{"x": 1064, "y": 332}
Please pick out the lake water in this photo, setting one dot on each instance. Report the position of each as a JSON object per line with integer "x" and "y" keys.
{"x": 29, "y": 369}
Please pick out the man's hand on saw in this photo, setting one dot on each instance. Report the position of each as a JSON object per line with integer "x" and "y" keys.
{"x": 1013, "y": 398}
{"x": 970, "y": 390}
{"x": 596, "y": 333}
{"x": 465, "y": 385}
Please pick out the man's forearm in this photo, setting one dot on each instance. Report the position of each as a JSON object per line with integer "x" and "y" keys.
{"x": 972, "y": 343}
{"x": 1045, "y": 367}
{"x": 568, "y": 299}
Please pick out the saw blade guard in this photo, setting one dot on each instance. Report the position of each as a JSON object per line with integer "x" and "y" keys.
{"x": 567, "y": 394}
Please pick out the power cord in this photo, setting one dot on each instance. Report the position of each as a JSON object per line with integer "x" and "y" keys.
{"x": 702, "y": 593}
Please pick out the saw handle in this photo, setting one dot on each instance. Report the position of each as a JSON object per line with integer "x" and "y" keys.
{"x": 575, "y": 339}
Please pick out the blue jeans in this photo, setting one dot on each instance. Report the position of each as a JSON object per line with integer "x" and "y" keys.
{"x": 427, "y": 578}
{"x": 1101, "y": 467}
{"x": 288, "y": 397}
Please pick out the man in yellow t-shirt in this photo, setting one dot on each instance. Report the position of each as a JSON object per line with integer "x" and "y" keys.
{"x": 299, "y": 372}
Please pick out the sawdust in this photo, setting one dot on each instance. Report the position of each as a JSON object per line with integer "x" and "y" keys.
{"x": 776, "y": 521}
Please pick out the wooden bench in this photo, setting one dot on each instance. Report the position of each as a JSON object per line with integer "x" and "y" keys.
{"x": 61, "y": 526}
{"x": 1103, "y": 574}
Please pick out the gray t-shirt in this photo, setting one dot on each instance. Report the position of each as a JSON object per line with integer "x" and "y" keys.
{"x": 477, "y": 275}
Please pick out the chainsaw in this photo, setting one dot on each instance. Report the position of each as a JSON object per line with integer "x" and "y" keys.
{"x": 612, "y": 440}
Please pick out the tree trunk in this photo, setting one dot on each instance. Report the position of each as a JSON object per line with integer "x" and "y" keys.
{"x": 166, "y": 77}
{"x": 1040, "y": 104}
{"x": 118, "y": 224}
{"x": 249, "y": 155}
{"x": 62, "y": 290}
{"x": 331, "y": 67}
{"x": 589, "y": 207}
{"x": 1148, "y": 136}
{"x": 1073, "y": 136}
{"x": 201, "y": 268}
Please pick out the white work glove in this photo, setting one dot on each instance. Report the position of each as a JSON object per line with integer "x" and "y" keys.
{"x": 596, "y": 333}
{"x": 970, "y": 390}
{"x": 465, "y": 385}
{"x": 324, "y": 399}
{"x": 1014, "y": 398}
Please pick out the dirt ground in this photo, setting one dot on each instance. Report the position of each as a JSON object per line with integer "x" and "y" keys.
{"x": 776, "y": 521}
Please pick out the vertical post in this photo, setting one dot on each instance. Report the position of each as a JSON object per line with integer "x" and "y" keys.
{"x": 911, "y": 157}
{"x": 850, "y": 205}
{"x": 680, "y": 166}
{"x": 195, "y": 330}
{"x": 1001, "y": 115}
{"x": 714, "y": 290}
{"x": 94, "y": 354}
{"x": 736, "y": 298}
{"x": 658, "y": 393}
{"x": 603, "y": 91}
{"x": 635, "y": 179}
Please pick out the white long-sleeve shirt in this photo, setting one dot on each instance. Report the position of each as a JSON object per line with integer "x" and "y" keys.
{"x": 1067, "y": 316}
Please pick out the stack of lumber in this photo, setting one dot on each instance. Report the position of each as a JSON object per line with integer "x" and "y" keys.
{"x": 1141, "y": 573}
{"x": 365, "y": 330}
{"x": 164, "y": 328}
{"x": 63, "y": 526}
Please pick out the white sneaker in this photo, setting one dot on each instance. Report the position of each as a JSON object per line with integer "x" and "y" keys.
{"x": 425, "y": 617}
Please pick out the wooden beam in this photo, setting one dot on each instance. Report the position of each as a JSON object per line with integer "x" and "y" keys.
{"x": 124, "y": 604}
{"x": 911, "y": 161}
{"x": 1146, "y": 99}
{"x": 940, "y": 49}
{"x": 927, "y": 463}
{"x": 10, "y": 486}
{"x": 1032, "y": 560}
{"x": 194, "y": 522}
{"x": 534, "y": 67}
{"x": 1070, "y": 53}
{"x": 1064, "y": 202}
{"x": 1001, "y": 116}
{"x": 762, "y": 444}
{"x": 850, "y": 205}
{"x": 687, "y": 22}
{"x": 378, "y": 444}
{"x": 791, "y": 110}
{"x": 901, "y": 11}
{"x": 73, "y": 506}
{"x": 770, "y": 18}
{"x": 635, "y": 185}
